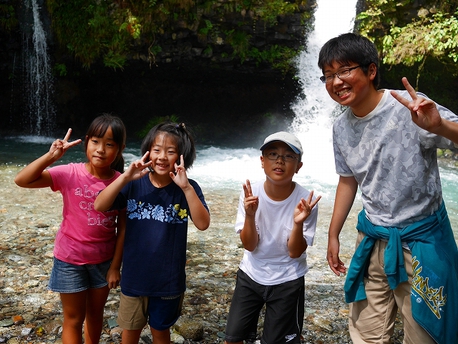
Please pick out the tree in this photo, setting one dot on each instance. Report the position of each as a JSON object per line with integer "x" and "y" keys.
{"x": 405, "y": 38}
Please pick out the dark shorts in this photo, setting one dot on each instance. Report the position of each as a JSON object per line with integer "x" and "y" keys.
{"x": 160, "y": 312}
{"x": 70, "y": 278}
{"x": 284, "y": 311}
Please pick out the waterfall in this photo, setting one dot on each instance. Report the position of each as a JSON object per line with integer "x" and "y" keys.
{"x": 39, "y": 108}
{"x": 314, "y": 109}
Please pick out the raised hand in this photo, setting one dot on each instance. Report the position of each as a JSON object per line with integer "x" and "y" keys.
{"x": 138, "y": 168}
{"x": 251, "y": 202}
{"x": 304, "y": 208}
{"x": 60, "y": 146}
{"x": 423, "y": 111}
{"x": 180, "y": 177}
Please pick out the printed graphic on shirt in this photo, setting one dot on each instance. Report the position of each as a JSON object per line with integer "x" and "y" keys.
{"x": 86, "y": 204}
{"x": 145, "y": 211}
{"x": 433, "y": 297}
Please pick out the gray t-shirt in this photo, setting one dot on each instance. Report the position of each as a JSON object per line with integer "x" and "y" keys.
{"x": 393, "y": 160}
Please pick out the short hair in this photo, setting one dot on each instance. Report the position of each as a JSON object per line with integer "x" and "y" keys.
{"x": 350, "y": 47}
{"x": 99, "y": 127}
{"x": 182, "y": 136}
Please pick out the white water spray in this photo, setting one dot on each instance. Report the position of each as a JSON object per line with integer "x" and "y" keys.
{"x": 39, "y": 80}
{"x": 314, "y": 109}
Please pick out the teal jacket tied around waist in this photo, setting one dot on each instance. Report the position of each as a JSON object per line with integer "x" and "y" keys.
{"x": 435, "y": 270}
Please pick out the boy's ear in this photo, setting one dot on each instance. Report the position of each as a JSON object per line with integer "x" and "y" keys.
{"x": 299, "y": 165}
{"x": 372, "y": 70}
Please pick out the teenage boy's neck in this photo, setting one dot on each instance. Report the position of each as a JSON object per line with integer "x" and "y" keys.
{"x": 278, "y": 192}
{"x": 369, "y": 104}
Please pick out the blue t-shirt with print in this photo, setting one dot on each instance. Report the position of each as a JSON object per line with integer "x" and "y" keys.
{"x": 154, "y": 254}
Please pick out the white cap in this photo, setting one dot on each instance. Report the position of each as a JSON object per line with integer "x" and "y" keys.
{"x": 283, "y": 136}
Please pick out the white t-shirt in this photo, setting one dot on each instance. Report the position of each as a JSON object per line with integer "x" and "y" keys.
{"x": 270, "y": 263}
{"x": 393, "y": 160}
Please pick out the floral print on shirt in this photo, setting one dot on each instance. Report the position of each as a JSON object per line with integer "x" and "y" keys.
{"x": 145, "y": 211}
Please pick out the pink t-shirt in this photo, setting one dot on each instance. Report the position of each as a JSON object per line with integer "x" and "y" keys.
{"x": 85, "y": 236}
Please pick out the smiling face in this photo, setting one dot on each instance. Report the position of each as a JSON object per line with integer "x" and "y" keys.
{"x": 281, "y": 170}
{"x": 102, "y": 151}
{"x": 164, "y": 154}
{"x": 355, "y": 90}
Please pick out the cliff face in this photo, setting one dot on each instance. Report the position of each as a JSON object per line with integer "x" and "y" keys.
{"x": 195, "y": 75}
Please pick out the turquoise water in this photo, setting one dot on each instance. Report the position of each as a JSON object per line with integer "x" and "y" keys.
{"x": 224, "y": 170}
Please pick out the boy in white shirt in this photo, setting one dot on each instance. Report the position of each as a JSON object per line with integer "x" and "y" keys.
{"x": 276, "y": 222}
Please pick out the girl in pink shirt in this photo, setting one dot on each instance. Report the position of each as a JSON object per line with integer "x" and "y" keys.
{"x": 88, "y": 245}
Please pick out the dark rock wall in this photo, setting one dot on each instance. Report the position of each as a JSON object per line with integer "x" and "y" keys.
{"x": 223, "y": 99}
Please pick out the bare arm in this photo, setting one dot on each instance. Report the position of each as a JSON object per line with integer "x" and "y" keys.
{"x": 249, "y": 236}
{"x": 425, "y": 114}
{"x": 345, "y": 196}
{"x": 114, "y": 272}
{"x": 200, "y": 215}
{"x": 136, "y": 170}
{"x": 34, "y": 174}
{"x": 297, "y": 243}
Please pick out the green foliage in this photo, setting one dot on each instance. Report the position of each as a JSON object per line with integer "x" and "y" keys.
{"x": 155, "y": 121}
{"x": 8, "y": 19}
{"x": 240, "y": 42}
{"x": 60, "y": 69}
{"x": 89, "y": 32}
{"x": 279, "y": 57}
{"x": 403, "y": 38}
{"x": 107, "y": 30}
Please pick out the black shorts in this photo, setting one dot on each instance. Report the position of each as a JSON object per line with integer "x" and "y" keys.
{"x": 284, "y": 311}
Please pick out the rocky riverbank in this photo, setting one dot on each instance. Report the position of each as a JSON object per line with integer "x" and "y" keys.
{"x": 29, "y": 313}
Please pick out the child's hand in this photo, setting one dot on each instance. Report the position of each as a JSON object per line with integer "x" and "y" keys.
{"x": 59, "y": 147}
{"x": 138, "y": 168}
{"x": 423, "y": 111}
{"x": 304, "y": 208}
{"x": 251, "y": 202}
{"x": 113, "y": 278}
{"x": 180, "y": 177}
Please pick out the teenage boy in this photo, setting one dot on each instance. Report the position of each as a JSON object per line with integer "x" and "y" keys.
{"x": 385, "y": 143}
{"x": 276, "y": 222}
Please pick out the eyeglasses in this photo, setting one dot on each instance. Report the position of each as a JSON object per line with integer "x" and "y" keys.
{"x": 343, "y": 74}
{"x": 286, "y": 158}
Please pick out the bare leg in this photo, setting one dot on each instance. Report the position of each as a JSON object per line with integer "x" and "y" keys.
{"x": 131, "y": 336}
{"x": 74, "y": 308}
{"x": 160, "y": 337}
{"x": 95, "y": 304}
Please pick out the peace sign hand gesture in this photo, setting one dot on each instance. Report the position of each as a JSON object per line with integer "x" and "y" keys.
{"x": 250, "y": 202}
{"x": 60, "y": 146}
{"x": 423, "y": 111}
{"x": 304, "y": 208}
{"x": 138, "y": 168}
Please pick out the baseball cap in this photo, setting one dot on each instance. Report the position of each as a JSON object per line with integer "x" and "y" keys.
{"x": 283, "y": 136}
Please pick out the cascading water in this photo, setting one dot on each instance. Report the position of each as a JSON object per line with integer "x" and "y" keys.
{"x": 40, "y": 112}
{"x": 314, "y": 110}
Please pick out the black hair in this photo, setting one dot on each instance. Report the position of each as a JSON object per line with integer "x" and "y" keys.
{"x": 347, "y": 48}
{"x": 182, "y": 136}
{"x": 99, "y": 127}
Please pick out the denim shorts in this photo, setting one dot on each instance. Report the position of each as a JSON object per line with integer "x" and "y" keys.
{"x": 70, "y": 278}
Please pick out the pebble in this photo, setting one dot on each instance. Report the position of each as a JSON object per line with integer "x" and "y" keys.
{"x": 29, "y": 219}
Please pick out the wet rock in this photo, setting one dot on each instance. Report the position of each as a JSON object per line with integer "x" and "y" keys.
{"x": 189, "y": 328}
{"x": 18, "y": 320}
{"x": 6, "y": 322}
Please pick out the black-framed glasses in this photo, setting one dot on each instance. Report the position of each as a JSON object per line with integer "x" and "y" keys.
{"x": 343, "y": 74}
{"x": 286, "y": 158}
